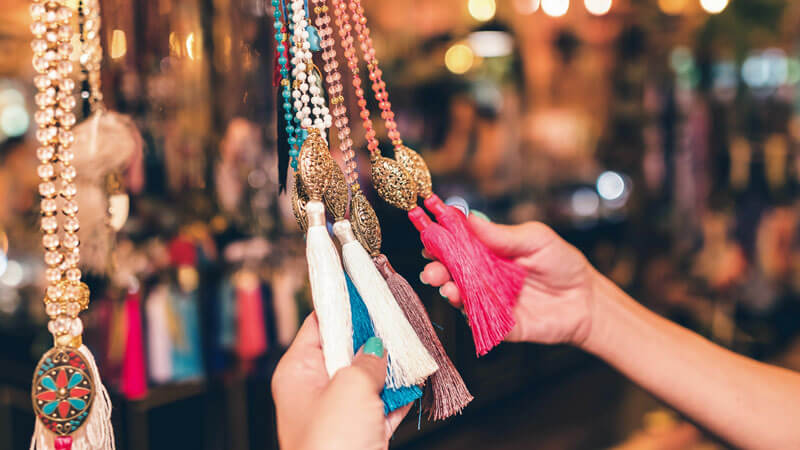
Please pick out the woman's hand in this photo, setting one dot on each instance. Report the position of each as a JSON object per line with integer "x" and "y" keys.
{"x": 556, "y": 301}
{"x": 345, "y": 412}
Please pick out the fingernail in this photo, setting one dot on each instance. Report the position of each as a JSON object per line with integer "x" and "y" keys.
{"x": 480, "y": 215}
{"x": 422, "y": 279}
{"x": 374, "y": 346}
{"x": 441, "y": 292}
{"x": 424, "y": 255}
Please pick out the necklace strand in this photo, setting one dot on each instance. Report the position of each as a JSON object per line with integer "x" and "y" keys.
{"x": 66, "y": 296}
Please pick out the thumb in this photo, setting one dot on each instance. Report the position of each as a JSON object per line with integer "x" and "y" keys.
{"x": 367, "y": 370}
{"x": 512, "y": 241}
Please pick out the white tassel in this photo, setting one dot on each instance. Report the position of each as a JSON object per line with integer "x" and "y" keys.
{"x": 410, "y": 364}
{"x": 159, "y": 348}
{"x": 329, "y": 291}
{"x": 97, "y": 433}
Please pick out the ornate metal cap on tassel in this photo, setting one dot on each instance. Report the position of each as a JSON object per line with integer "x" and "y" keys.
{"x": 393, "y": 183}
{"x": 299, "y": 201}
{"x": 415, "y": 165}
{"x": 365, "y": 223}
{"x": 337, "y": 196}
{"x": 314, "y": 165}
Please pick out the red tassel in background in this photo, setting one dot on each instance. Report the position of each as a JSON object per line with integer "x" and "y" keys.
{"x": 508, "y": 276}
{"x": 134, "y": 373}
{"x": 487, "y": 309}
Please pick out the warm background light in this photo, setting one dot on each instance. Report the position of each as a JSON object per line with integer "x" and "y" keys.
{"x": 482, "y": 10}
{"x": 458, "y": 59}
{"x": 672, "y": 7}
{"x": 555, "y": 8}
{"x": 119, "y": 45}
{"x": 526, "y": 6}
{"x": 713, "y": 6}
{"x": 597, "y": 7}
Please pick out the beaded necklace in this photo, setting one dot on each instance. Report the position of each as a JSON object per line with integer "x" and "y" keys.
{"x": 489, "y": 284}
{"x": 448, "y": 391}
{"x": 68, "y": 397}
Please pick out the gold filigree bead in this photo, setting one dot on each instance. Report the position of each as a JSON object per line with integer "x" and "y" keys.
{"x": 337, "y": 196}
{"x": 299, "y": 201}
{"x": 416, "y": 167}
{"x": 365, "y": 222}
{"x": 393, "y": 183}
{"x": 314, "y": 166}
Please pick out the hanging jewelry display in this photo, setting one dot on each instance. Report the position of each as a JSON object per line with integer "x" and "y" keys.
{"x": 70, "y": 402}
{"x": 410, "y": 364}
{"x": 449, "y": 394}
{"x": 489, "y": 285}
{"x": 326, "y": 276}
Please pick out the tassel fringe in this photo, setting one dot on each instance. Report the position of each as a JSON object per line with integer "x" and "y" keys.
{"x": 507, "y": 276}
{"x": 446, "y": 394}
{"x": 96, "y": 434}
{"x": 362, "y": 330}
{"x": 410, "y": 364}
{"x": 488, "y": 312}
{"x": 328, "y": 291}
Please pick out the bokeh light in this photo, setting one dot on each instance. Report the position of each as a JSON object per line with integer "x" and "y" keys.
{"x": 555, "y": 8}
{"x": 482, "y": 10}
{"x": 610, "y": 185}
{"x": 672, "y": 7}
{"x": 585, "y": 202}
{"x": 597, "y": 7}
{"x": 119, "y": 44}
{"x": 714, "y": 6}
{"x": 14, "y": 120}
{"x": 458, "y": 58}
{"x": 526, "y": 6}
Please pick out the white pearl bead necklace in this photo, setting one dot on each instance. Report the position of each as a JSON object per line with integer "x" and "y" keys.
{"x": 307, "y": 85}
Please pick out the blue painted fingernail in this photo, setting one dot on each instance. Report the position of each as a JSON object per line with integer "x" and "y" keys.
{"x": 480, "y": 215}
{"x": 374, "y": 346}
{"x": 458, "y": 203}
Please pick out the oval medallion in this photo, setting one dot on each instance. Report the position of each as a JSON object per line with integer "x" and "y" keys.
{"x": 62, "y": 391}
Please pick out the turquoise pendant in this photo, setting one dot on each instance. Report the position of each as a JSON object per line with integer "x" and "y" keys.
{"x": 313, "y": 38}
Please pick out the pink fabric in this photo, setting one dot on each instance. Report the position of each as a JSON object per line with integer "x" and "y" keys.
{"x": 251, "y": 340}
{"x": 134, "y": 373}
{"x": 63, "y": 443}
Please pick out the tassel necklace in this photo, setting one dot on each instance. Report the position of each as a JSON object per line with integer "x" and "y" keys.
{"x": 489, "y": 284}
{"x": 449, "y": 393}
{"x": 409, "y": 364}
{"x": 69, "y": 400}
{"x": 326, "y": 276}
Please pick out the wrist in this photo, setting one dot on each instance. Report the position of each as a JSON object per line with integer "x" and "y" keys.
{"x": 605, "y": 304}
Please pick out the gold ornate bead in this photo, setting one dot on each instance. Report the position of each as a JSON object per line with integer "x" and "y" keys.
{"x": 299, "y": 201}
{"x": 365, "y": 222}
{"x": 337, "y": 196}
{"x": 314, "y": 167}
{"x": 393, "y": 183}
{"x": 75, "y": 292}
{"x": 416, "y": 167}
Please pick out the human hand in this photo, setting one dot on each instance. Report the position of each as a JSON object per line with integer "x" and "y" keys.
{"x": 556, "y": 301}
{"x": 343, "y": 412}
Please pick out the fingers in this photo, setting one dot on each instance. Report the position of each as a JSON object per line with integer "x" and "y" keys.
{"x": 308, "y": 335}
{"x": 450, "y": 291}
{"x": 436, "y": 274}
{"x": 368, "y": 370}
{"x": 512, "y": 240}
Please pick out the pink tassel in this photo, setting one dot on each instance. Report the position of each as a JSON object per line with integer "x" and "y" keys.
{"x": 134, "y": 378}
{"x": 446, "y": 394}
{"x": 487, "y": 309}
{"x": 251, "y": 340}
{"x": 63, "y": 443}
{"x": 507, "y": 276}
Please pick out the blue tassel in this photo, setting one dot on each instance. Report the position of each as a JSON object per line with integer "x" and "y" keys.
{"x": 362, "y": 330}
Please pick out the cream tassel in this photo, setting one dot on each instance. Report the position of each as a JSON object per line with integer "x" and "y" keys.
{"x": 329, "y": 291}
{"x": 410, "y": 363}
{"x": 97, "y": 433}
